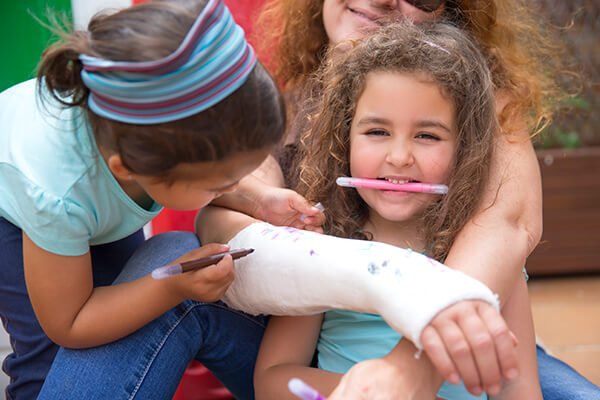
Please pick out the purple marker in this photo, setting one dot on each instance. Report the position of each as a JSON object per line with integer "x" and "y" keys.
{"x": 303, "y": 391}
{"x": 318, "y": 206}
{"x": 380, "y": 184}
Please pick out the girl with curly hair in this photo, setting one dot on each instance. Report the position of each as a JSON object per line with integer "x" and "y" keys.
{"x": 405, "y": 105}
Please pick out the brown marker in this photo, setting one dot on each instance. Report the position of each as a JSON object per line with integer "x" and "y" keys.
{"x": 192, "y": 265}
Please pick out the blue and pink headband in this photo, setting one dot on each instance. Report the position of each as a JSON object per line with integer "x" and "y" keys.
{"x": 213, "y": 60}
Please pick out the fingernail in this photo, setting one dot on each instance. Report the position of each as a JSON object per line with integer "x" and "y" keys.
{"x": 454, "y": 378}
{"x": 476, "y": 390}
{"x": 512, "y": 373}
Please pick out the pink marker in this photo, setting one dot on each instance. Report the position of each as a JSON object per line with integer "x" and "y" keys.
{"x": 433, "y": 188}
{"x": 303, "y": 391}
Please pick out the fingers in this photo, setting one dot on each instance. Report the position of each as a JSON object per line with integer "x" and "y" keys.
{"x": 484, "y": 355}
{"x": 302, "y": 206}
{"x": 206, "y": 250}
{"x": 461, "y": 353}
{"x": 504, "y": 340}
{"x": 436, "y": 351}
{"x": 317, "y": 229}
{"x": 314, "y": 222}
{"x": 223, "y": 270}
{"x": 212, "y": 282}
{"x": 472, "y": 339}
{"x": 299, "y": 204}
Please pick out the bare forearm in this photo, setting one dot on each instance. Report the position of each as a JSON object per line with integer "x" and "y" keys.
{"x": 494, "y": 253}
{"x": 517, "y": 313}
{"x": 246, "y": 198}
{"x": 495, "y": 243}
{"x": 112, "y": 312}
{"x": 419, "y": 372}
{"x": 219, "y": 225}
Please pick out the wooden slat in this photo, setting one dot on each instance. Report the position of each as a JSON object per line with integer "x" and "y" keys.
{"x": 571, "y": 189}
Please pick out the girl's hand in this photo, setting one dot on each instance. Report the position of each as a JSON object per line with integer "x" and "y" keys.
{"x": 470, "y": 341}
{"x": 285, "y": 207}
{"x": 207, "y": 284}
{"x": 386, "y": 378}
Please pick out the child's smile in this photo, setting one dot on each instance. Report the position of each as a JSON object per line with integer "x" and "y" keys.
{"x": 403, "y": 130}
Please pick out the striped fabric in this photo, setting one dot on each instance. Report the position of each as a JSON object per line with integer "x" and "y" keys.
{"x": 213, "y": 60}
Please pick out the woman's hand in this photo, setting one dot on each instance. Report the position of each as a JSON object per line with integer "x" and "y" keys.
{"x": 207, "y": 284}
{"x": 389, "y": 377}
{"x": 285, "y": 207}
{"x": 470, "y": 341}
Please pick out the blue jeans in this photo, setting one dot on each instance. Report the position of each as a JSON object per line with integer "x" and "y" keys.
{"x": 561, "y": 382}
{"x": 32, "y": 351}
{"x": 149, "y": 363}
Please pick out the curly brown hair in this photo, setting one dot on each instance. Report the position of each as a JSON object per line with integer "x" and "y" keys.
{"x": 522, "y": 53}
{"x": 439, "y": 53}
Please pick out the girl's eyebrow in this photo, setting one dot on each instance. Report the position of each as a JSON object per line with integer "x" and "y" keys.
{"x": 424, "y": 123}
{"x": 373, "y": 120}
{"x": 428, "y": 123}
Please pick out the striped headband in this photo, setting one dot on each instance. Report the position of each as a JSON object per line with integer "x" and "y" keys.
{"x": 213, "y": 60}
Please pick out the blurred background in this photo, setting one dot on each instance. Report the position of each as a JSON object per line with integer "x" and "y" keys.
{"x": 564, "y": 269}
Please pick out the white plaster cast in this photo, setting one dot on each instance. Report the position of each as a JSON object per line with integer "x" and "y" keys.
{"x": 295, "y": 272}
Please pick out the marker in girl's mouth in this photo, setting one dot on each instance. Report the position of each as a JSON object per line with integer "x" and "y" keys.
{"x": 433, "y": 188}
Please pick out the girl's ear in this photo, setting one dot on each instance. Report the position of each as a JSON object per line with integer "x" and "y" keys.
{"x": 115, "y": 164}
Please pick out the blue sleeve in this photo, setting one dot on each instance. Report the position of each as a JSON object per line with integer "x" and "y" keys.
{"x": 55, "y": 224}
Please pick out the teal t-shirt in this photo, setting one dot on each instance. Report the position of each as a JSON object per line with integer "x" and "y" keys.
{"x": 348, "y": 337}
{"x": 54, "y": 184}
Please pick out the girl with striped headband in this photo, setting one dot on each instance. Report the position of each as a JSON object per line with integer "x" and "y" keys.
{"x": 162, "y": 104}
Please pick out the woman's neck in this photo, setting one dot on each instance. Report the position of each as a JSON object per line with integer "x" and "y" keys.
{"x": 405, "y": 234}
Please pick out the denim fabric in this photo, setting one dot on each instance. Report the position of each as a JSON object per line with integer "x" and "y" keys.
{"x": 32, "y": 351}
{"x": 149, "y": 363}
{"x": 561, "y": 382}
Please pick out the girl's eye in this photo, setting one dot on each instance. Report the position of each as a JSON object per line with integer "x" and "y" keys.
{"x": 377, "y": 132}
{"x": 427, "y": 136}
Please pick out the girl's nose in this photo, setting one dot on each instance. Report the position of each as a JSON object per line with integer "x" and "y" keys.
{"x": 400, "y": 155}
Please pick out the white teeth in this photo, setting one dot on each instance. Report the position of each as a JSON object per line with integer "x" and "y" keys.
{"x": 396, "y": 181}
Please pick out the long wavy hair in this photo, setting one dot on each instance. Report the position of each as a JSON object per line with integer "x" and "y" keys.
{"x": 438, "y": 53}
{"x": 522, "y": 53}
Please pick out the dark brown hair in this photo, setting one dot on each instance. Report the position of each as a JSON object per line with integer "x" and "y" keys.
{"x": 437, "y": 53}
{"x": 251, "y": 118}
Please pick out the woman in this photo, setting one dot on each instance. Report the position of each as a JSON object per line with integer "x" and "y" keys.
{"x": 523, "y": 60}
{"x": 514, "y": 220}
